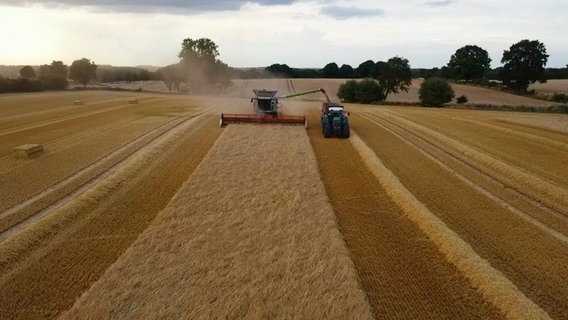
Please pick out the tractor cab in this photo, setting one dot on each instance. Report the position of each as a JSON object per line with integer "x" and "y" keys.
{"x": 335, "y": 110}
{"x": 331, "y": 106}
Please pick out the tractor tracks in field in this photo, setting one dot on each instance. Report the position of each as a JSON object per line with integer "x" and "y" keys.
{"x": 557, "y": 145}
{"x": 27, "y": 212}
{"x": 7, "y": 162}
{"x": 41, "y": 123}
{"x": 46, "y": 266}
{"x": 545, "y": 214}
{"x": 402, "y": 272}
{"x": 480, "y": 198}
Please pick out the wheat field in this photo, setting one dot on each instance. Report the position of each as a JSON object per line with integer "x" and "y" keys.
{"x": 251, "y": 235}
{"x": 151, "y": 210}
{"x": 499, "y": 187}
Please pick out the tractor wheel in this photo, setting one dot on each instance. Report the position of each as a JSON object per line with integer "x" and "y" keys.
{"x": 328, "y": 130}
{"x": 345, "y": 131}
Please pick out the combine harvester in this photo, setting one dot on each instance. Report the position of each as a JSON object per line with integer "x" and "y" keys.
{"x": 266, "y": 105}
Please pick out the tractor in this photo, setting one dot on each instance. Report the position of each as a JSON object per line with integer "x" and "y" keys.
{"x": 334, "y": 121}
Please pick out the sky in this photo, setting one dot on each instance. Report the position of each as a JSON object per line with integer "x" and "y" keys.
{"x": 258, "y": 33}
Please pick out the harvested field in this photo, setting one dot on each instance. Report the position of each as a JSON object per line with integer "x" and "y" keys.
{"x": 551, "y": 86}
{"x": 109, "y": 126}
{"x": 511, "y": 214}
{"x": 475, "y": 95}
{"x": 405, "y": 276}
{"x": 260, "y": 241}
{"x": 551, "y": 122}
{"x": 45, "y": 266}
{"x": 416, "y": 212}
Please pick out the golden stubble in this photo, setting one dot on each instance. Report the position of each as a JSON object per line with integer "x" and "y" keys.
{"x": 251, "y": 234}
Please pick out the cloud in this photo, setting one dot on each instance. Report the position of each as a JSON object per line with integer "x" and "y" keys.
{"x": 167, "y": 6}
{"x": 439, "y": 3}
{"x": 339, "y": 12}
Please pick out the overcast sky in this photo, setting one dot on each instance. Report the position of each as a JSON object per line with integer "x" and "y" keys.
{"x": 299, "y": 33}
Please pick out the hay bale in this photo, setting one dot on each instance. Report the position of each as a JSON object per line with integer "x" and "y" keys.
{"x": 28, "y": 150}
{"x": 133, "y": 101}
{"x": 78, "y": 102}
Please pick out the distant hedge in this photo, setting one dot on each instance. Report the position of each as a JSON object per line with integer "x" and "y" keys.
{"x": 32, "y": 85}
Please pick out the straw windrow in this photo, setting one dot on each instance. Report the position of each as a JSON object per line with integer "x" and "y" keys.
{"x": 494, "y": 286}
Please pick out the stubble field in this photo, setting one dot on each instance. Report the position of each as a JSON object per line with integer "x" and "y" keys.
{"x": 422, "y": 213}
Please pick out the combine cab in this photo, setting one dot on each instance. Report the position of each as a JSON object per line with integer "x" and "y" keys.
{"x": 265, "y": 101}
{"x": 266, "y": 105}
{"x": 334, "y": 121}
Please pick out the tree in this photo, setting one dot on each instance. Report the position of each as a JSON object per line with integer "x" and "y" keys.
{"x": 377, "y": 69}
{"x": 222, "y": 75}
{"x": 364, "y": 91}
{"x": 434, "y": 92}
{"x": 58, "y": 67}
{"x": 27, "y": 72}
{"x": 83, "y": 70}
{"x": 202, "y": 48}
{"x": 365, "y": 69}
{"x": 198, "y": 58}
{"x": 524, "y": 64}
{"x": 53, "y": 76}
{"x": 370, "y": 91}
{"x": 469, "y": 62}
{"x": 200, "y": 64}
{"x": 394, "y": 76}
{"x": 172, "y": 75}
{"x": 346, "y": 71}
{"x": 280, "y": 70}
{"x": 348, "y": 91}
{"x": 4, "y": 85}
{"x": 331, "y": 70}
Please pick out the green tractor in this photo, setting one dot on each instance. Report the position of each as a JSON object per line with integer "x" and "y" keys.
{"x": 334, "y": 121}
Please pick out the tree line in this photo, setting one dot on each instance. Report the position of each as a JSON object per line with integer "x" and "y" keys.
{"x": 275, "y": 71}
{"x": 523, "y": 64}
{"x": 331, "y": 70}
{"x": 108, "y": 74}
{"x": 199, "y": 67}
{"x": 50, "y": 76}
{"x": 55, "y": 76}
